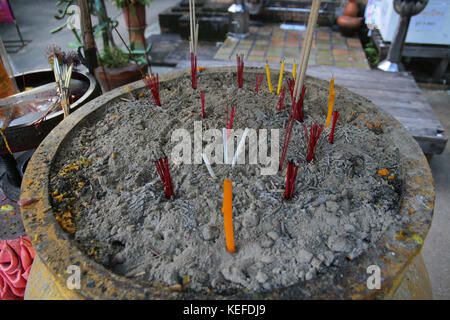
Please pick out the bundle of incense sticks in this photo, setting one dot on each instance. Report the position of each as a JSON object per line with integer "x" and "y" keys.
{"x": 291, "y": 85}
{"x": 280, "y": 103}
{"x": 193, "y": 43}
{"x": 259, "y": 79}
{"x": 230, "y": 119}
{"x": 240, "y": 69}
{"x": 299, "y": 106}
{"x": 162, "y": 167}
{"x": 312, "y": 139}
{"x": 335, "y": 118}
{"x": 312, "y": 20}
{"x": 304, "y": 57}
{"x": 287, "y": 136}
{"x": 152, "y": 83}
{"x": 291, "y": 175}
{"x": 62, "y": 64}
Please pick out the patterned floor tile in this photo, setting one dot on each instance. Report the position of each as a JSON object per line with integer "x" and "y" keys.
{"x": 272, "y": 43}
{"x": 252, "y": 58}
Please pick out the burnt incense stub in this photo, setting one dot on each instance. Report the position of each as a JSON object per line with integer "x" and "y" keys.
{"x": 341, "y": 207}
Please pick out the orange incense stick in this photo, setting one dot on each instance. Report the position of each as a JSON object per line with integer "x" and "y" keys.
{"x": 227, "y": 214}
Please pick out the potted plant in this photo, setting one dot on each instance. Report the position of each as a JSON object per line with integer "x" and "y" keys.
{"x": 134, "y": 16}
{"x": 116, "y": 66}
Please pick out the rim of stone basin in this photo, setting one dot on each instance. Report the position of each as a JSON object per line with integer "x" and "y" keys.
{"x": 393, "y": 252}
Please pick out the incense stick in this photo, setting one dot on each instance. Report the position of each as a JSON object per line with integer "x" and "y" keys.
{"x": 131, "y": 55}
{"x": 225, "y": 151}
{"x": 312, "y": 20}
{"x": 227, "y": 209}
{"x": 193, "y": 43}
{"x": 239, "y": 148}
{"x": 208, "y": 166}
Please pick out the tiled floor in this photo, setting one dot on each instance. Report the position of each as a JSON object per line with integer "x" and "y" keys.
{"x": 272, "y": 44}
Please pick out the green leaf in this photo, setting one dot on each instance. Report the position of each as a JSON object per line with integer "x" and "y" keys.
{"x": 74, "y": 45}
{"x": 149, "y": 47}
{"x": 59, "y": 28}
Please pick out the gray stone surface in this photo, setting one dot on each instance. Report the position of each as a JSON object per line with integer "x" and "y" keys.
{"x": 436, "y": 251}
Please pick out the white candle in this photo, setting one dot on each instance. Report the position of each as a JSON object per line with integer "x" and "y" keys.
{"x": 208, "y": 166}
{"x": 239, "y": 148}
{"x": 225, "y": 151}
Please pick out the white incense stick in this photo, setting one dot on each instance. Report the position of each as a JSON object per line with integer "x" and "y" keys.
{"x": 208, "y": 166}
{"x": 239, "y": 148}
{"x": 193, "y": 40}
{"x": 225, "y": 150}
{"x": 196, "y": 40}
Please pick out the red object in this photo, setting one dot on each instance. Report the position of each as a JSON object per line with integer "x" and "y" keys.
{"x": 162, "y": 167}
{"x": 25, "y": 201}
{"x": 280, "y": 103}
{"x": 240, "y": 69}
{"x": 39, "y": 121}
{"x": 335, "y": 117}
{"x": 299, "y": 106}
{"x": 6, "y": 15}
{"x": 230, "y": 119}
{"x": 291, "y": 175}
{"x": 16, "y": 258}
{"x": 287, "y": 136}
{"x": 152, "y": 83}
{"x": 203, "y": 104}
{"x": 259, "y": 79}
{"x": 194, "y": 71}
{"x": 312, "y": 139}
{"x": 291, "y": 85}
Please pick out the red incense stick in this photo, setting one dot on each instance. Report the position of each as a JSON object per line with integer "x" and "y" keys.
{"x": 240, "y": 69}
{"x": 299, "y": 106}
{"x": 152, "y": 83}
{"x": 203, "y": 104}
{"x": 291, "y": 85}
{"x": 230, "y": 119}
{"x": 280, "y": 103}
{"x": 259, "y": 79}
{"x": 287, "y": 136}
{"x": 193, "y": 71}
{"x": 162, "y": 167}
{"x": 291, "y": 175}
{"x": 312, "y": 139}
{"x": 335, "y": 118}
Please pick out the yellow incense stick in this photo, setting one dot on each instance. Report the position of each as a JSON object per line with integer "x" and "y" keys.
{"x": 6, "y": 141}
{"x": 269, "y": 81}
{"x": 331, "y": 96}
{"x": 294, "y": 70}
{"x": 227, "y": 214}
{"x": 280, "y": 79}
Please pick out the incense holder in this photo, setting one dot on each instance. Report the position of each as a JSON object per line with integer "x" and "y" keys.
{"x": 365, "y": 200}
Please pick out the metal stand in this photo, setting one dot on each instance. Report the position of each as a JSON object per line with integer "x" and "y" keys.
{"x": 15, "y": 45}
{"x": 406, "y": 9}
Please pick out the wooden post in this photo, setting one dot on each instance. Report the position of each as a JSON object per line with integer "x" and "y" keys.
{"x": 90, "y": 53}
